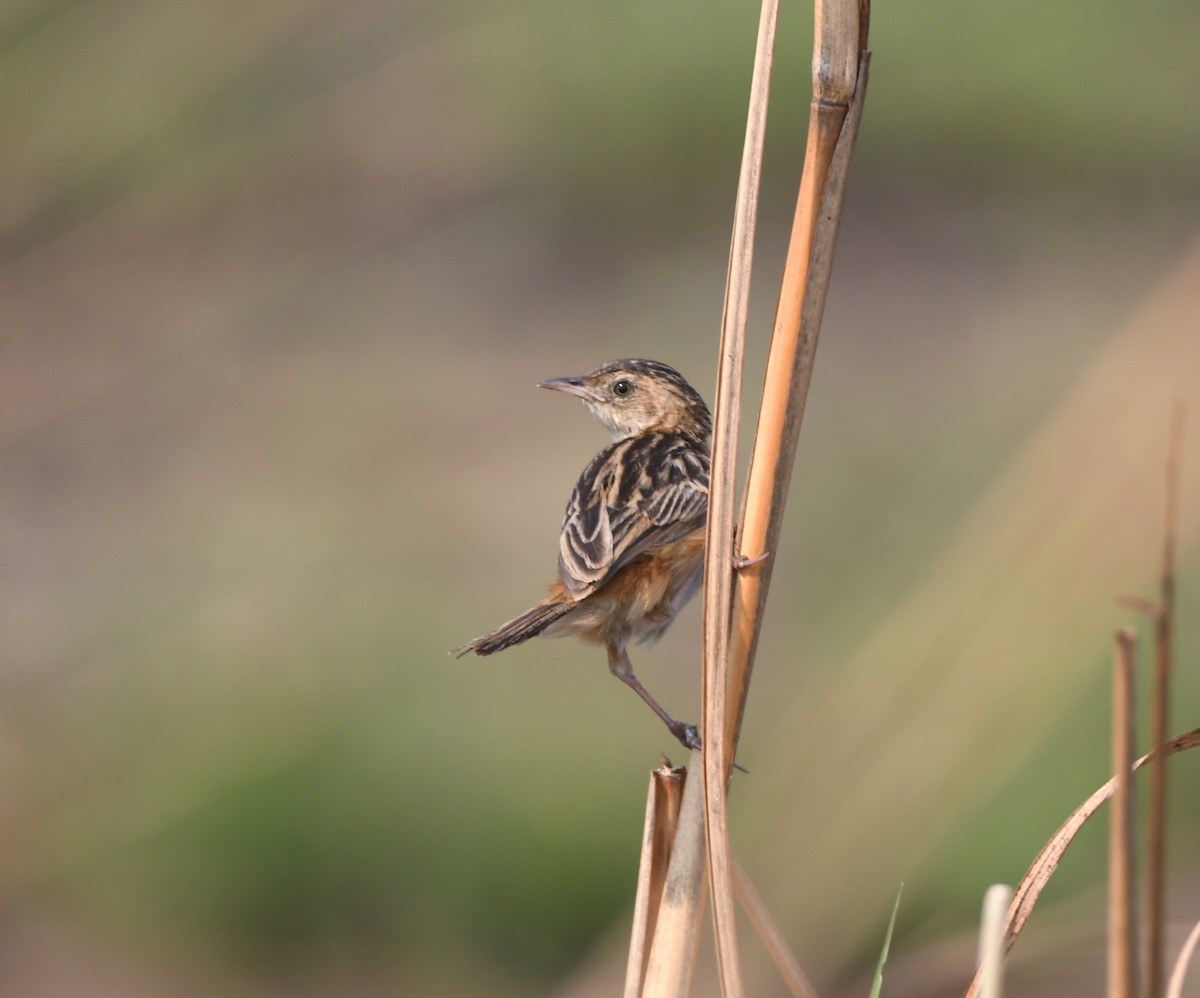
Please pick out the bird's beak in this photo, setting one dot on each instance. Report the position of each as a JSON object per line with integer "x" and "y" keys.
{"x": 572, "y": 386}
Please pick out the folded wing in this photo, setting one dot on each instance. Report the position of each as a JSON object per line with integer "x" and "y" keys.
{"x": 634, "y": 496}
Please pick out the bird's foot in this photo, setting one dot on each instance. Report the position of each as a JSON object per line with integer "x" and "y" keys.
{"x": 741, "y": 562}
{"x": 688, "y": 734}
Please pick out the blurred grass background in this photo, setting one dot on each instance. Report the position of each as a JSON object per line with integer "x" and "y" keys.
{"x": 276, "y": 281}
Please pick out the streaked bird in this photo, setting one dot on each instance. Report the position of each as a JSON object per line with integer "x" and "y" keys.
{"x": 631, "y": 552}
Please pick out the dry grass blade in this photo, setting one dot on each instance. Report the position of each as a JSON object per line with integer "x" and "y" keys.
{"x": 1043, "y": 867}
{"x": 1121, "y": 925}
{"x": 1154, "y": 942}
{"x": 662, "y": 816}
{"x": 1175, "y": 987}
{"x": 789, "y": 967}
{"x": 991, "y": 940}
{"x": 718, "y": 567}
{"x": 677, "y": 930}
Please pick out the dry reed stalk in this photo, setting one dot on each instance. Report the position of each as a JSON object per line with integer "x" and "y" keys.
{"x": 672, "y": 957}
{"x": 662, "y": 815}
{"x": 839, "y": 88}
{"x": 1121, "y": 924}
{"x": 840, "y": 64}
{"x": 1154, "y": 941}
{"x": 991, "y": 940}
{"x": 1038, "y": 875}
{"x": 718, "y": 567}
{"x": 1175, "y": 986}
{"x": 760, "y": 918}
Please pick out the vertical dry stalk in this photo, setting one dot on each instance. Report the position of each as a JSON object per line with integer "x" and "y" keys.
{"x": 839, "y": 88}
{"x": 1154, "y": 913}
{"x": 836, "y": 87}
{"x": 839, "y": 71}
{"x": 1121, "y": 974}
{"x": 718, "y": 567}
{"x": 677, "y": 931}
{"x": 662, "y": 815}
{"x": 1154, "y": 942}
{"x": 991, "y": 940}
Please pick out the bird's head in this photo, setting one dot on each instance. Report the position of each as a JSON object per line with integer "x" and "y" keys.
{"x": 631, "y": 397}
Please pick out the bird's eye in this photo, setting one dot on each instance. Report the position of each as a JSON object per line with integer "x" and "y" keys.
{"x": 622, "y": 387}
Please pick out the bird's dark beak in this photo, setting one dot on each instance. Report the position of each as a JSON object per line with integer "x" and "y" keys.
{"x": 572, "y": 386}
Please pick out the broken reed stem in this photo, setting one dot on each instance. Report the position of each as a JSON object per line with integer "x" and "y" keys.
{"x": 991, "y": 940}
{"x": 662, "y": 815}
{"x": 1154, "y": 938}
{"x": 1046, "y": 862}
{"x": 835, "y": 115}
{"x": 1121, "y": 926}
{"x": 718, "y": 569}
{"x": 672, "y": 958}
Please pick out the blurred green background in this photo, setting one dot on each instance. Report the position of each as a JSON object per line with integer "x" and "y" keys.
{"x": 276, "y": 282}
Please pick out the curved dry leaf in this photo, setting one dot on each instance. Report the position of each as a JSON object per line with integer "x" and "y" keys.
{"x": 1039, "y": 872}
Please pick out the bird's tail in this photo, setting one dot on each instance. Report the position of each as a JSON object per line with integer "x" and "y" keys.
{"x": 530, "y": 624}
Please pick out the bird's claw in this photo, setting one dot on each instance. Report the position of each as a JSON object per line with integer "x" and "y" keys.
{"x": 688, "y": 734}
{"x": 742, "y": 562}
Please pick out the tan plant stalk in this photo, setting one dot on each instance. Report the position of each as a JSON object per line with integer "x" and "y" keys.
{"x": 718, "y": 566}
{"x": 672, "y": 957}
{"x": 662, "y": 815}
{"x": 1121, "y": 925}
{"x": 991, "y": 940}
{"x": 1154, "y": 941}
{"x": 839, "y": 88}
{"x": 836, "y": 86}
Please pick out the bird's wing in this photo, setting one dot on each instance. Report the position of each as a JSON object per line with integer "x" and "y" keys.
{"x": 635, "y": 495}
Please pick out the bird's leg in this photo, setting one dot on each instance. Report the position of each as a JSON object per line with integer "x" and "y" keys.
{"x": 619, "y": 665}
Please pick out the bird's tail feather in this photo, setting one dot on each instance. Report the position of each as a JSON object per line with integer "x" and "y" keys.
{"x": 530, "y": 624}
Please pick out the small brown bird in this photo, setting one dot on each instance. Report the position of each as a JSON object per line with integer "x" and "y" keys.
{"x": 631, "y": 551}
